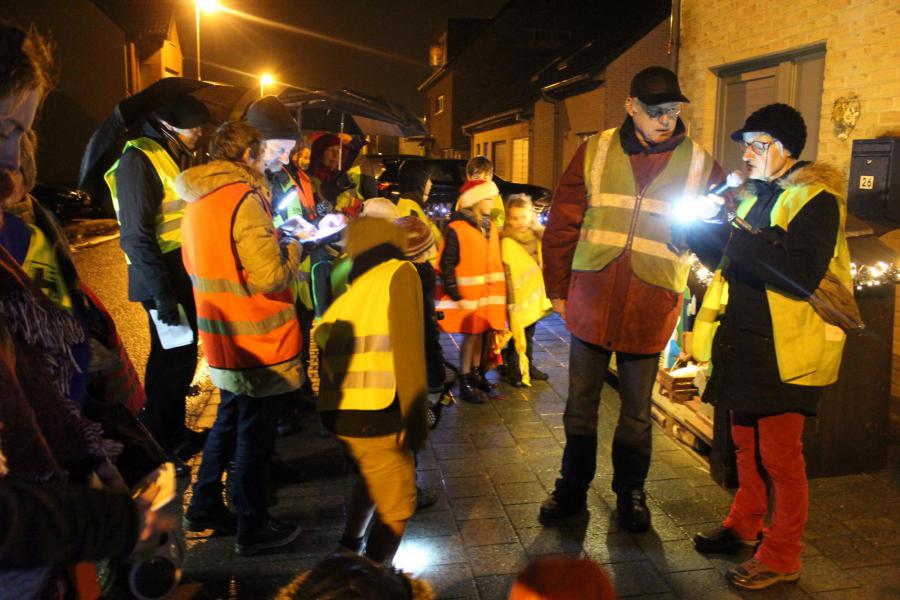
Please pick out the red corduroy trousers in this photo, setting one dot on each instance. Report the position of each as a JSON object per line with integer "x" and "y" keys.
{"x": 776, "y": 444}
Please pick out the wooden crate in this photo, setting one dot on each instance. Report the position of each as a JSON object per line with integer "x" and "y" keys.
{"x": 677, "y": 389}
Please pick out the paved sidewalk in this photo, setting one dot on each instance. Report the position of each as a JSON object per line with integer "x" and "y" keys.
{"x": 493, "y": 464}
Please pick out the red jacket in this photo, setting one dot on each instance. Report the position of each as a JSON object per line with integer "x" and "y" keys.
{"x": 611, "y": 308}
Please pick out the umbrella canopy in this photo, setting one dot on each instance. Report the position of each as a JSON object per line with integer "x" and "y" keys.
{"x": 361, "y": 114}
{"x": 224, "y": 102}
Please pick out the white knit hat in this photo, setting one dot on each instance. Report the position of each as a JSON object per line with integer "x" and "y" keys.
{"x": 380, "y": 208}
{"x": 474, "y": 191}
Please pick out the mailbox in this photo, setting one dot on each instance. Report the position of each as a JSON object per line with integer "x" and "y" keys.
{"x": 874, "y": 191}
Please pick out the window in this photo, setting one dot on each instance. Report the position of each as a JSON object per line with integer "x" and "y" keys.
{"x": 439, "y": 104}
{"x": 520, "y": 160}
{"x": 794, "y": 78}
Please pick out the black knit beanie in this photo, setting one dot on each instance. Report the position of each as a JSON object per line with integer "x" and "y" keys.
{"x": 782, "y": 122}
{"x": 185, "y": 113}
{"x": 273, "y": 119}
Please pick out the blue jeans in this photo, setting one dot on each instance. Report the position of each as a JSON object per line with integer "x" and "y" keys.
{"x": 631, "y": 445}
{"x": 244, "y": 431}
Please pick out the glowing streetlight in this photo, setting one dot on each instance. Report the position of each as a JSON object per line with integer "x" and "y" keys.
{"x": 264, "y": 80}
{"x": 207, "y": 6}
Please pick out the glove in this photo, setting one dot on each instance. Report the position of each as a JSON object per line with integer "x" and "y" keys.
{"x": 167, "y": 310}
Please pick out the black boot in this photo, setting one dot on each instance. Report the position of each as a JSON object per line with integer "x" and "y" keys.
{"x": 469, "y": 390}
{"x": 488, "y": 387}
{"x": 578, "y": 465}
{"x": 632, "y": 511}
{"x": 562, "y": 503}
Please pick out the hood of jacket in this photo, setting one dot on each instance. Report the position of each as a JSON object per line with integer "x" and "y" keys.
{"x": 801, "y": 174}
{"x": 195, "y": 183}
{"x": 817, "y": 173}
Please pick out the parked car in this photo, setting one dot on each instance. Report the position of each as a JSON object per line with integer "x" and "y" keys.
{"x": 65, "y": 202}
{"x": 447, "y": 176}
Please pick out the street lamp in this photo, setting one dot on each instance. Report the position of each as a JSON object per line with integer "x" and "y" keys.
{"x": 264, "y": 80}
{"x": 208, "y": 6}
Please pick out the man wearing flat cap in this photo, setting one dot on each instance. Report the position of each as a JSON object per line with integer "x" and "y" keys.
{"x": 149, "y": 211}
{"x": 614, "y": 275}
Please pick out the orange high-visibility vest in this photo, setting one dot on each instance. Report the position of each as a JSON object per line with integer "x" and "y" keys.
{"x": 239, "y": 329}
{"x": 481, "y": 281}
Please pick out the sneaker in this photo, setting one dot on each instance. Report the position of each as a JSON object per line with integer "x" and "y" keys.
{"x": 220, "y": 520}
{"x": 274, "y": 534}
{"x": 754, "y": 575}
{"x": 721, "y": 540}
{"x": 538, "y": 375}
{"x": 632, "y": 511}
{"x": 425, "y": 497}
{"x": 560, "y": 505}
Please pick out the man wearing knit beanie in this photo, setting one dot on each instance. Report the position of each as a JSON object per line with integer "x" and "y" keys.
{"x": 279, "y": 129}
{"x": 373, "y": 392}
{"x": 773, "y": 352}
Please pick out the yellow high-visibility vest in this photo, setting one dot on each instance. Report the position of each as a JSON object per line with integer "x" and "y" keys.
{"x": 171, "y": 209}
{"x": 618, "y": 217}
{"x": 356, "y": 359}
{"x": 530, "y": 303}
{"x": 808, "y": 350}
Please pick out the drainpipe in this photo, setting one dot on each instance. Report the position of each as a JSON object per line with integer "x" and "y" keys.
{"x": 557, "y": 154}
{"x": 674, "y": 35}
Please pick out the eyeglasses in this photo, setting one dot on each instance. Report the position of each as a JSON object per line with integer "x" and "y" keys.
{"x": 655, "y": 112}
{"x": 759, "y": 147}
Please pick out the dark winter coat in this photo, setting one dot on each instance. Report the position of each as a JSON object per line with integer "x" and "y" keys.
{"x": 434, "y": 355}
{"x": 745, "y": 375}
{"x": 151, "y": 275}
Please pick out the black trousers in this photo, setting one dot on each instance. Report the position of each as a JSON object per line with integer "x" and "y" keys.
{"x": 166, "y": 382}
{"x": 244, "y": 432}
{"x": 631, "y": 445}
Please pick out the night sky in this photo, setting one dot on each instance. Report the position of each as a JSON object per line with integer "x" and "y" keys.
{"x": 403, "y": 28}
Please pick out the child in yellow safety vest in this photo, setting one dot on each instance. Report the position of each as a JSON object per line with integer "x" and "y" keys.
{"x": 526, "y": 295}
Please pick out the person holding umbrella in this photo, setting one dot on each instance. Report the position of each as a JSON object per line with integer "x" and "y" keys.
{"x": 149, "y": 212}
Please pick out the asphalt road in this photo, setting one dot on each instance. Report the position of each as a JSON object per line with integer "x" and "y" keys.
{"x": 102, "y": 267}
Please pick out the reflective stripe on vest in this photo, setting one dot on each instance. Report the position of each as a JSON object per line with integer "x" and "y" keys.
{"x": 239, "y": 329}
{"x": 610, "y": 225}
{"x": 171, "y": 210}
{"x": 356, "y": 359}
{"x": 808, "y": 350}
{"x": 481, "y": 282}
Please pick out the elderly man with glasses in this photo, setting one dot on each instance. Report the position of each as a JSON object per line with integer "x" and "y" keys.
{"x": 614, "y": 274}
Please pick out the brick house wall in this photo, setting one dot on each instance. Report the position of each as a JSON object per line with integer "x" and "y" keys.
{"x": 862, "y": 58}
{"x": 557, "y": 130}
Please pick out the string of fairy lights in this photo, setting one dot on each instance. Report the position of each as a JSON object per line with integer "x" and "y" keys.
{"x": 864, "y": 276}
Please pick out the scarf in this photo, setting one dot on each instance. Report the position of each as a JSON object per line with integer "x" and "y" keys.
{"x": 44, "y": 432}
{"x": 529, "y": 239}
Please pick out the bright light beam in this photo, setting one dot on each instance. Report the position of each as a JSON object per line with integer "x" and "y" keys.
{"x": 319, "y": 36}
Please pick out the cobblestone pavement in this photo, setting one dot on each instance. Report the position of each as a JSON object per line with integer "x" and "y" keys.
{"x": 492, "y": 466}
